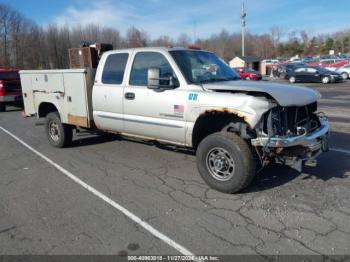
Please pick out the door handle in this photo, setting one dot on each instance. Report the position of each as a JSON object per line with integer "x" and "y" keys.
{"x": 129, "y": 96}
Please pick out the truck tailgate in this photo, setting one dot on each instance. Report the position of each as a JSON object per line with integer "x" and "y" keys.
{"x": 12, "y": 86}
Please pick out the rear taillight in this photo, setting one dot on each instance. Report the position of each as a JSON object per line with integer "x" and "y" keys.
{"x": 2, "y": 89}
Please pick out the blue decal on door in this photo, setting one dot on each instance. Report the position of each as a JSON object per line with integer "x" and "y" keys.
{"x": 192, "y": 97}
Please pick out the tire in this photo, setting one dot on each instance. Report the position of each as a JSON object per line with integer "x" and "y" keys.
{"x": 58, "y": 134}
{"x": 326, "y": 80}
{"x": 345, "y": 75}
{"x": 217, "y": 151}
{"x": 292, "y": 79}
{"x": 2, "y": 107}
{"x": 247, "y": 78}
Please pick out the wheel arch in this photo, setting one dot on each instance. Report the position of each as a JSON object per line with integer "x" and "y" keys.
{"x": 346, "y": 73}
{"x": 212, "y": 121}
{"x": 45, "y": 108}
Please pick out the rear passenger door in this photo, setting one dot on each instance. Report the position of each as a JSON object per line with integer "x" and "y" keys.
{"x": 108, "y": 92}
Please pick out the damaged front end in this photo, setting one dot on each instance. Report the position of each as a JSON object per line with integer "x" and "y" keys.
{"x": 293, "y": 136}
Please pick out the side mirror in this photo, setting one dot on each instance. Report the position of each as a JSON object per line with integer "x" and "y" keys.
{"x": 154, "y": 81}
{"x": 153, "y": 78}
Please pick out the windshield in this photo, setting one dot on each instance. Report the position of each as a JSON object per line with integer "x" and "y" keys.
{"x": 201, "y": 67}
{"x": 9, "y": 75}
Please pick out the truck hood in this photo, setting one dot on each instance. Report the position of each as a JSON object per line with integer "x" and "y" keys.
{"x": 285, "y": 95}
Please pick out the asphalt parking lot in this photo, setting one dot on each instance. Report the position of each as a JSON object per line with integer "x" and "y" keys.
{"x": 42, "y": 211}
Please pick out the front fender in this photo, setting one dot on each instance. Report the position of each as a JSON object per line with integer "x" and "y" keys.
{"x": 249, "y": 109}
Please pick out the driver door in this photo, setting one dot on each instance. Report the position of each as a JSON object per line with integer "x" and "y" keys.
{"x": 153, "y": 113}
{"x": 300, "y": 74}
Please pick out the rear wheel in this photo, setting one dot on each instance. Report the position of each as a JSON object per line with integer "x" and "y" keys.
{"x": 247, "y": 78}
{"x": 58, "y": 134}
{"x": 345, "y": 75}
{"x": 2, "y": 107}
{"x": 292, "y": 79}
{"x": 325, "y": 80}
{"x": 225, "y": 162}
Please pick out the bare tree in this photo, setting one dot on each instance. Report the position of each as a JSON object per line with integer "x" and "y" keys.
{"x": 276, "y": 35}
{"x": 305, "y": 41}
{"x": 24, "y": 44}
{"x": 183, "y": 40}
{"x": 136, "y": 38}
{"x": 163, "y": 40}
{"x": 5, "y": 15}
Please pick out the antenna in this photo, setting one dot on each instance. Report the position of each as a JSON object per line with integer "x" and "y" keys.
{"x": 243, "y": 24}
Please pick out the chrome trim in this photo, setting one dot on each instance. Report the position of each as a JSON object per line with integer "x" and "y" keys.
{"x": 111, "y": 117}
{"x": 312, "y": 140}
{"x": 140, "y": 121}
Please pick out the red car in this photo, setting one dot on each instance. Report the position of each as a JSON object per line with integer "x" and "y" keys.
{"x": 330, "y": 63}
{"x": 249, "y": 74}
{"x": 10, "y": 88}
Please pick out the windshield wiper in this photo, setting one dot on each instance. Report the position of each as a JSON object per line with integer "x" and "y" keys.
{"x": 214, "y": 79}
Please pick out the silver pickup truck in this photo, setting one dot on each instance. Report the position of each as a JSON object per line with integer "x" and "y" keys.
{"x": 184, "y": 97}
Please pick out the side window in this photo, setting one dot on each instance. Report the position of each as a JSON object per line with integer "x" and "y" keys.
{"x": 299, "y": 70}
{"x": 113, "y": 71}
{"x": 145, "y": 60}
{"x": 311, "y": 70}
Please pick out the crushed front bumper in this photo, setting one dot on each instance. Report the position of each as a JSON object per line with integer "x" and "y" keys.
{"x": 315, "y": 141}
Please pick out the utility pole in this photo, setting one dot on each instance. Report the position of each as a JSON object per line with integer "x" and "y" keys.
{"x": 243, "y": 16}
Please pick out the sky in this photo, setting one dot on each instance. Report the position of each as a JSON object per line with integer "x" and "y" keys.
{"x": 197, "y": 18}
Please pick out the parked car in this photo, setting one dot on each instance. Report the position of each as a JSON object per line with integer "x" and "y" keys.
{"x": 330, "y": 64}
{"x": 314, "y": 74}
{"x": 249, "y": 74}
{"x": 283, "y": 70}
{"x": 344, "y": 56}
{"x": 295, "y": 60}
{"x": 270, "y": 61}
{"x": 10, "y": 88}
{"x": 344, "y": 71}
{"x": 309, "y": 59}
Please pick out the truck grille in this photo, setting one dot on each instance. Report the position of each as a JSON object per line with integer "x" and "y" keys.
{"x": 288, "y": 121}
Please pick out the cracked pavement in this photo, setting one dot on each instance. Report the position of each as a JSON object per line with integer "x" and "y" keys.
{"x": 281, "y": 213}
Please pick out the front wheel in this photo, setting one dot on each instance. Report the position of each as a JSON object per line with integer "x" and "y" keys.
{"x": 345, "y": 75}
{"x": 292, "y": 79}
{"x": 225, "y": 162}
{"x": 59, "y": 134}
{"x": 325, "y": 80}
